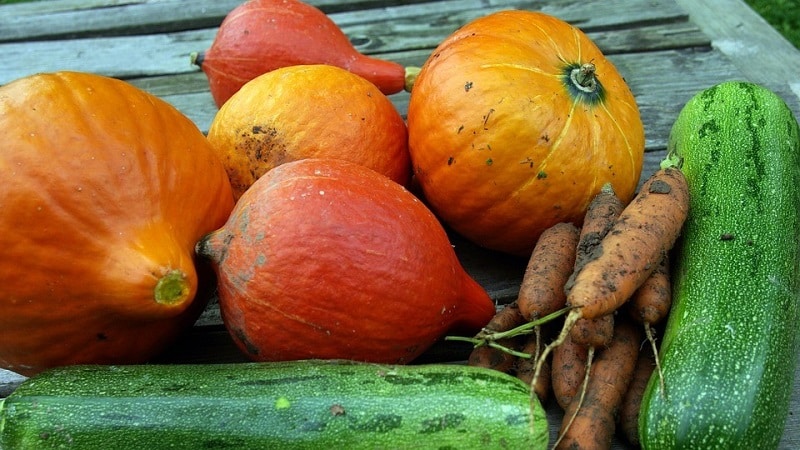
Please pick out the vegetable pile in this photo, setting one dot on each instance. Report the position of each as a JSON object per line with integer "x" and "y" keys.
{"x": 664, "y": 315}
{"x": 729, "y": 291}
{"x": 588, "y": 275}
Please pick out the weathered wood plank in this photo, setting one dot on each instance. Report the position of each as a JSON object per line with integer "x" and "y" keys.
{"x": 90, "y": 18}
{"x": 405, "y": 27}
{"x": 757, "y": 50}
{"x": 73, "y": 19}
{"x": 167, "y": 54}
{"x": 42, "y": 8}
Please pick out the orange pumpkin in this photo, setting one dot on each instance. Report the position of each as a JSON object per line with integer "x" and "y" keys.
{"x": 324, "y": 258}
{"x": 308, "y": 111}
{"x": 106, "y": 189}
{"x": 515, "y": 122}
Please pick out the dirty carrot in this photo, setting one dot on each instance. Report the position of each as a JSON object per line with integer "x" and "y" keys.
{"x": 593, "y": 424}
{"x": 533, "y": 346}
{"x": 631, "y": 250}
{"x": 634, "y": 246}
{"x": 594, "y": 333}
{"x": 568, "y": 369}
{"x": 628, "y": 417}
{"x": 570, "y": 365}
{"x": 603, "y": 210}
{"x": 550, "y": 265}
{"x": 650, "y": 303}
{"x": 496, "y": 356}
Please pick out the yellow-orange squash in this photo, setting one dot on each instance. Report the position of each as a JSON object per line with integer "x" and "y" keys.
{"x": 308, "y": 111}
{"x": 106, "y": 189}
{"x": 515, "y": 122}
{"x": 325, "y": 258}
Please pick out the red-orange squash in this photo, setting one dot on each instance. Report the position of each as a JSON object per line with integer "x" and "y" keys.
{"x": 259, "y": 36}
{"x": 325, "y": 258}
{"x": 106, "y": 189}
{"x": 515, "y": 122}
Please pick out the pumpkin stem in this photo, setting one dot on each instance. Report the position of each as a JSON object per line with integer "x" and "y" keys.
{"x": 172, "y": 288}
{"x": 411, "y": 77}
{"x": 196, "y": 58}
{"x": 214, "y": 246}
{"x": 584, "y": 77}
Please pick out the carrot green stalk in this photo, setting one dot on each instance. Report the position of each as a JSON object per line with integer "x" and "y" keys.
{"x": 496, "y": 356}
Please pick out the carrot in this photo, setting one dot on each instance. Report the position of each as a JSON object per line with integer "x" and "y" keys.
{"x": 541, "y": 293}
{"x": 593, "y": 424}
{"x": 494, "y": 356}
{"x": 570, "y": 361}
{"x": 603, "y": 210}
{"x": 595, "y": 333}
{"x": 587, "y": 334}
{"x": 650, "y": 303}
{"x": 631, "y": 250}
{"x": 526, "y": 366}
{"x": 628, "y": 418}
{"x": 645, "y": 230}
{"x": 551, "y": 262}
{"x": 506, "y": 318}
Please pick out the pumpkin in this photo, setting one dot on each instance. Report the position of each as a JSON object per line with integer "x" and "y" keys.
{"x": 262, "y": 35}
{"x": 106, "y": 189}
{"x": 308, "y": 111}
{"x": 515, "y": 122}
{"x": 324, "y": 258}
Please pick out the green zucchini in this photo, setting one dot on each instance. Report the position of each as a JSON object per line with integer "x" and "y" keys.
{"x": 291, "y": 405}
{"x": 729, "y": 348}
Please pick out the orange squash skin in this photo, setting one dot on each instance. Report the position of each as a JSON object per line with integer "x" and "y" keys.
{"x": 259, "y": 36}
{"x": 106, "y": 189}
{"x": 308, "y": 111}
{"x": 324, "y": 258}
{"x": 501, "y": 147}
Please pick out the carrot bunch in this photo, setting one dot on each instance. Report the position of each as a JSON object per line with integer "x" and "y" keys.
{"x": 609, "y": 281}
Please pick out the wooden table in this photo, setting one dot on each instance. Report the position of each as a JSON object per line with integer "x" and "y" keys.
{"x": 667, "y": 50}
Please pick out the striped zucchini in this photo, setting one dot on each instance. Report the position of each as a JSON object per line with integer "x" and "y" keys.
{"x": 729, "y": 348}
{"x": 291, "y": 405}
